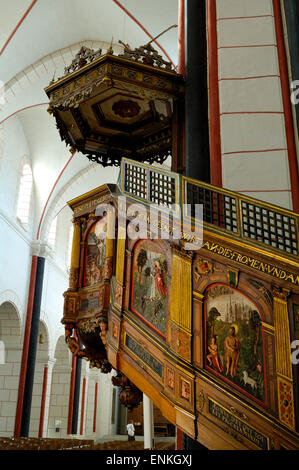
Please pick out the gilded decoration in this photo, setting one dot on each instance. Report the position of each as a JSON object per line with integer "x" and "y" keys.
{"x": 180, "y": 341}
{"x": 202, "y": 267}
{"x": 120, "y": 258}
{"x": 95, "y": 254}
{"x": 252, "y": 262}
{"x": 283, "y": 357}
{"x": 286, "y": 402}
{"x": 181, "y": 281}
{"x": 234, "y": 341}
{"x": 150, "y": 284}
{"x": 200, "y": 401}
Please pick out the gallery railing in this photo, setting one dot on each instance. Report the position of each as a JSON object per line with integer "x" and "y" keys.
{"x": 226, "y": 212}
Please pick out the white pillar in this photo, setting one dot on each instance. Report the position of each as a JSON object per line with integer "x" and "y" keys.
{"x": 148, "y": 423}
{"x": 50, "y": 364}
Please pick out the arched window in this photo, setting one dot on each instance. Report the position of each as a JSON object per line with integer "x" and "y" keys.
{"x": 24, "y": 197}
{"x": 52, "y": 232}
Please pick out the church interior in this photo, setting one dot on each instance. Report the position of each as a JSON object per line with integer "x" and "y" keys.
{"x": 149, "y": 221}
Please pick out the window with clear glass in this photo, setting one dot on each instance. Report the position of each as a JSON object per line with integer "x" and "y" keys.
{"x": 24, "y": 197}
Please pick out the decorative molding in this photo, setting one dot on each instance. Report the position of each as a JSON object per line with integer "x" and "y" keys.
{"x": 252, "y": 262}
{"x": 41, "y": 249}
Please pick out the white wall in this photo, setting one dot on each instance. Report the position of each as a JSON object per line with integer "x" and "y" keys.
{"x": 16, "y": 248}
{"x": 253, "y": 136}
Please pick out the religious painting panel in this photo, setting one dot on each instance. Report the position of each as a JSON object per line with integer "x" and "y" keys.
{"x": 185, "y": 389}
{"x": 95, "y": 254}
{"x": 170, "y": 378}
{"x": 150, "y": 285}
{"x": 234, "y": 348}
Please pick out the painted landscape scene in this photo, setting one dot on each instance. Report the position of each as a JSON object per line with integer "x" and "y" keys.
{"x": 234, "y": 346}
{"x": 150, "y": 285}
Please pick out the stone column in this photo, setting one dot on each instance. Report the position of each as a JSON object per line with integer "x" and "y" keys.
{"x": 148, "y": 423}
{"x": 45, "y": 399}
{"x": 39, "y": 252}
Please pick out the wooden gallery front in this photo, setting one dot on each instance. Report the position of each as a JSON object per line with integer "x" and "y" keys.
{"x": 197, "y": 310}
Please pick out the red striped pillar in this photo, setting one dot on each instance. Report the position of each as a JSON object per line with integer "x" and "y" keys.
{"x": 43, "y": 402}
{"x": 214, "y": 105}
{"x": 24, "y": 361}
{"x": 287, "y": 106}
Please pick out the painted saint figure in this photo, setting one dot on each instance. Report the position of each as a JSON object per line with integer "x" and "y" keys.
{"x": 213, "y": 356}
{"x": 232, "y": 352}
{"x": 159, "y": 283}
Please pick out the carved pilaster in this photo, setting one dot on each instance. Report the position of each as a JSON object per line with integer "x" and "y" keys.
{"x": 75, "y": 255}
{"x": 121, "y": 252}
{"x": 110, "y": 234}
{"x": 180, "y": 308}
{"x": 284, "y": 371}
{"x": 282, "y": 332}
{"x": 198, "y": 300}
{"x": 120, "y": 266}
{"x": 181, "y": 283}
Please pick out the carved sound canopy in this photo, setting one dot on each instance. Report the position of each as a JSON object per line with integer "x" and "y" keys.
{"x": 109, "y": 107}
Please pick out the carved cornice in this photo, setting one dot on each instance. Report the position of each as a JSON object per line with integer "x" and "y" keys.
{"x": 280, "y": 294}
{"x": 181, "y": 252}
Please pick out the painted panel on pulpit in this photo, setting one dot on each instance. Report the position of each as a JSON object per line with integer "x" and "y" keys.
{"x": 150, "y": 284}
{"x": 95, "y": 253}
{"x": 234, "y": 340}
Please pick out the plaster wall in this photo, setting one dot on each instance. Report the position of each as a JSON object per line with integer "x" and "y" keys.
{"x": 253, "y": 134}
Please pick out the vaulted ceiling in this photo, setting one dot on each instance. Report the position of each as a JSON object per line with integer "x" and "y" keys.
{"x": 54, "y": 24}
{"x": 38, "y": 38}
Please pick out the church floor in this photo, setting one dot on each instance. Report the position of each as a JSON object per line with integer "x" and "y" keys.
{"x": 75, "y": 444}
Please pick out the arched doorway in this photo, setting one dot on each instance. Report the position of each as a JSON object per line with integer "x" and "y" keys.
{"x": 42, "y": 358}
{"x": 11, "y": 352}
{"x": 60, "y": 391}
